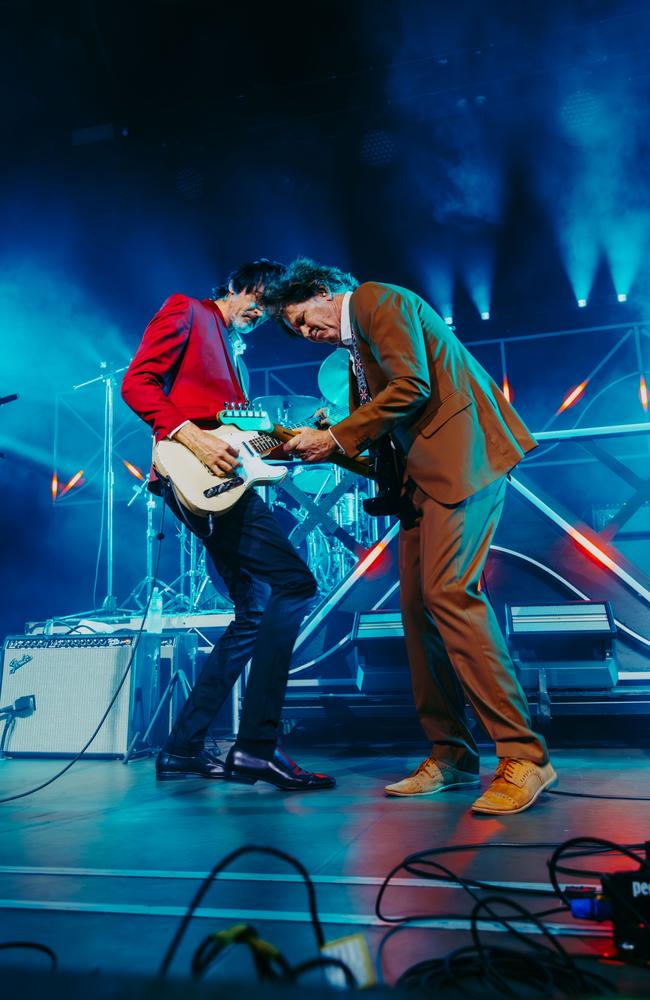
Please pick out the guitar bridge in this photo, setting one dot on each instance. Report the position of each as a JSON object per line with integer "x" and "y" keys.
{"x": 230, "y": 484}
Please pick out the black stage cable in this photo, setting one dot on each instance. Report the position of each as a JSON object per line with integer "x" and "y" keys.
{"x": 209, "y": 879}
{"x": 602, "y": 846}
{"x": 590, "y": 795}
{"x": 32, "y": 946}
{"x": 127, "y": 671}
{"x": 546, "y": 969}
{"x": 497, "y": 967}
{"x": 411, "y": 861}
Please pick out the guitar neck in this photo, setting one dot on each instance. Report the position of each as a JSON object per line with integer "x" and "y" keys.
{"x": 361, "y": 466}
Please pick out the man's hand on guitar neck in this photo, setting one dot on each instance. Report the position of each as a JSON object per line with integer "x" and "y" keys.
{"x": 311, "y": 445}
{"x": 215, "y": 453}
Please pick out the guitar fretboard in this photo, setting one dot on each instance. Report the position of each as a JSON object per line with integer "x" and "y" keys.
{"x": 262, "y": 443}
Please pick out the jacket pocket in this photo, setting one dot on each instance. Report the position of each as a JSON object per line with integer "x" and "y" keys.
{"x": 448, "y": 408}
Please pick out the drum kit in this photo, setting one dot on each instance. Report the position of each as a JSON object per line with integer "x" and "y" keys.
{"x": 318, "y": 506}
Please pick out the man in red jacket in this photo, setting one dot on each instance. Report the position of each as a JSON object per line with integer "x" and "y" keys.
{"x": 183, "y": 373}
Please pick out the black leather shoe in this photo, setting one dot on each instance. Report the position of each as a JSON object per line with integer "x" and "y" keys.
{"x": 281, "y": 772}
{"x": 175, "y": 766}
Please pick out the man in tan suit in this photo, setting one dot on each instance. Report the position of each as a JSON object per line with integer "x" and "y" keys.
{"x": 414, "y": 380}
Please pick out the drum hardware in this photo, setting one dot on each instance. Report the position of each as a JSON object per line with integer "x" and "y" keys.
{"x": 317, "y": 514}
{"x": 142, "y": 590}
{"x": 333, "y": 378}
{"x": 315, "y": 478}
{"x": 314, "y": 549}
{"x": 288, "y": 410}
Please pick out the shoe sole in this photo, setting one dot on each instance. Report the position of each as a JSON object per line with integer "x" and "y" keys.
{"x": 179, "y": 776}
{"x": 242, "y": 779}
{"x": 434, "y": 791}
{"x": 512, "y": 812}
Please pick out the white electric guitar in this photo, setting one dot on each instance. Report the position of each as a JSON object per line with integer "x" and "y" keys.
{"x": 252, "y": 432}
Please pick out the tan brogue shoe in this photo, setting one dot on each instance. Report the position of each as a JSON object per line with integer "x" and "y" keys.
{"x": 432, "y": 776}
{"x": 515, "y": 786}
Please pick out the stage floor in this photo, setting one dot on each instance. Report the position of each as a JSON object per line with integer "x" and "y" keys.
{"x": 101, "y": 865}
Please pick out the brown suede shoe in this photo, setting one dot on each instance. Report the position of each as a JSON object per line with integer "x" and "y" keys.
{"x": 515, "y": 786}
{"x": 432, "y": 776}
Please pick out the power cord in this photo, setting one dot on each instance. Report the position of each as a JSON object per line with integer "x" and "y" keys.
{"x": 598, "y": 845}
{"x": 212, "y": 947}
{"x": 546, "y": 970}
{"x": 123, "y": 679}
{"x": 590, "y": 795}
{"x": 32, "y": 946}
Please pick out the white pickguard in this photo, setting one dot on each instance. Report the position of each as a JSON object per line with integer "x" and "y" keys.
{"x": 192, "y": 479}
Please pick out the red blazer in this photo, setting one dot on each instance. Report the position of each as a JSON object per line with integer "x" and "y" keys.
{"x": 182, "y": 369}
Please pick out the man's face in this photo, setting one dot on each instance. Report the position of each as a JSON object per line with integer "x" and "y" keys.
{"x": 245, "y": 313}
{"x": 317, "y": 319}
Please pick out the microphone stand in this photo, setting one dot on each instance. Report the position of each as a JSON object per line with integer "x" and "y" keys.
{"x": 109, "y": 604}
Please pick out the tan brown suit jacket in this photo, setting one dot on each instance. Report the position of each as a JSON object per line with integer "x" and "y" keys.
{"x": 453, "y": 422}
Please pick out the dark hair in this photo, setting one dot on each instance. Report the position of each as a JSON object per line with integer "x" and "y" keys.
{"x": 300, "y": 281}
{"x": 249, "y": 277}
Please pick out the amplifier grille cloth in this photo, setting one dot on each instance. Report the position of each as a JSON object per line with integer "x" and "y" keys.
{"x": 73, "y": 687}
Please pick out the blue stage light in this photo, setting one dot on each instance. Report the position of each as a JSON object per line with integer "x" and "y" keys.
{"x": 582, "y": 303}
{"x": 485, "y": 315}
{"x": 622, "y": 297}
{"x": 449, "y": 320}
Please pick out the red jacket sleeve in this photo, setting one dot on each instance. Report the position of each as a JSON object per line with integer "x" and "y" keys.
{"x": 152, "y": 370}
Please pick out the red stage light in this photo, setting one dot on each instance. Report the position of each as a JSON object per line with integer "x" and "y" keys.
{"x": 54, "y": 486}
{"x": 133, "y": 469}
{"x": 643, "y": 393}
{"x": 585, "y": 543}
{"x": 76, "y": 479}
{"x": 507, "y": 391}
{"x": 571, "y": 398}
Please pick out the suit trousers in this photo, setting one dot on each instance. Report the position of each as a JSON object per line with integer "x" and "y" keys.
{"x": 271, "y": 588}
{"x": 455, "y": 647}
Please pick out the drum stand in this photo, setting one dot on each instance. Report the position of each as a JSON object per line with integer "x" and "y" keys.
{"x": 178, "y": 677}
{"x": 142, "y": 590}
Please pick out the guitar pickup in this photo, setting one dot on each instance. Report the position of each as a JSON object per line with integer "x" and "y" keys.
{"x": 230, "y": 484}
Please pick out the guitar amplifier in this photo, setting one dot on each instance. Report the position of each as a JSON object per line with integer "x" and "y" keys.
{"x": 74, "y": 678}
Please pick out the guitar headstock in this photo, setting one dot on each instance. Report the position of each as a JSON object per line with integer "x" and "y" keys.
{"x": 246, "y": 416}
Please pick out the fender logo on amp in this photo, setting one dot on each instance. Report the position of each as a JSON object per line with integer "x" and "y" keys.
{"x": 15, "y": 665}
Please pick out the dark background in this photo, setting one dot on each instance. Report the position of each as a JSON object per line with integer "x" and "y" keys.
{"x": 484, "y": 154}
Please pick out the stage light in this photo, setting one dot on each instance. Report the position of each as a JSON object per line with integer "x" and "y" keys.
{"x": 582, "y": 303}
{"x": 485, "y": 315}
{"x": 133, "y": 469}
{"x": 54, "y": 486}
{"x": 643, "y": 392}
{"x": 72, "y": 482}
{"x": 507, "y": 391}
{"x": 449, "y": 320}
{"x": 622, "y": 297}
{"x": 585, "y": 543}
{"x": 572, "y": 397}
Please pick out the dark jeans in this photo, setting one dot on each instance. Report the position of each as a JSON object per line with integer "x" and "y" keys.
{"x": 271, "y": 588}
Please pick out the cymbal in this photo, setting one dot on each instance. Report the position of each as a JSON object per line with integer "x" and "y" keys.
{"x": 337, "y": 413}
{"x": 288, "y": 409}
{"x": 333, "y": 377}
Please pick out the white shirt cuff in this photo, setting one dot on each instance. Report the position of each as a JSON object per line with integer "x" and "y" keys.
{"x": 176, "y": 429}
{"x": 335, "y": 441}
